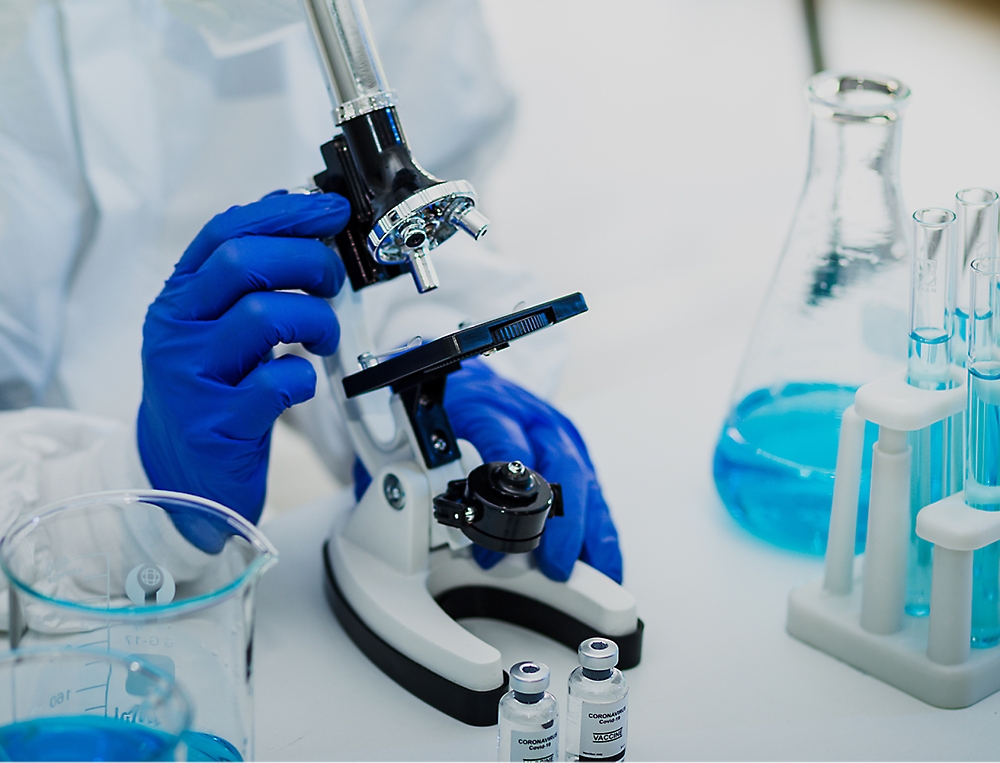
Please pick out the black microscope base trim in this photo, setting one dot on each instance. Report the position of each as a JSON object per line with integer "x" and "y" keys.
{"x": 475, "y": 708}
{"x": 495, "y": 603}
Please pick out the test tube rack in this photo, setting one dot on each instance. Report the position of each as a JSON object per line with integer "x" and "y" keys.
{"x": 856, "y": 611}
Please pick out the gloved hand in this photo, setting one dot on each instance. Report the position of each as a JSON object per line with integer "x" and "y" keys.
{"x": 507, "y": 423}
{"x": 211, "y": 389}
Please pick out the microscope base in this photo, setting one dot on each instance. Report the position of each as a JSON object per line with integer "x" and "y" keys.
{"x": 832, "y": 623}
{"x": 475, "y": 708}
{"x": 405, "y": 623}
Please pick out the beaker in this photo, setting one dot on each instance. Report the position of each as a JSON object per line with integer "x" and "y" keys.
{"x": 68, "y": 704}
{"x": 835, "y": 317}
{"x": 165, "y": 577}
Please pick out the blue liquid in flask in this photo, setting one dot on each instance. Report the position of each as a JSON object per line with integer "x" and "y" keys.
{"x": 202, "y": 747}
{"x": 84, "y": 737}
{"x": 775, "y": 462}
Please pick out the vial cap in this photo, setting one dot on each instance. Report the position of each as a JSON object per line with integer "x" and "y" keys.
{"x": 598, "y": 654}
{"x": 529, "y": 677}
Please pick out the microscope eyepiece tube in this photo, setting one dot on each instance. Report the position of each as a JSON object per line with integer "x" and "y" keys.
{"x": 399, "y": 211}
{"x": 346, "y": 46}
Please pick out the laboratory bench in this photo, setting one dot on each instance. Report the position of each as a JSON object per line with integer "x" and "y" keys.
{"x": 678, "y": 223}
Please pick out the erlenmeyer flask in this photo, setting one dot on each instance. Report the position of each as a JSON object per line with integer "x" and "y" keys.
{"x": 835, "y": 317}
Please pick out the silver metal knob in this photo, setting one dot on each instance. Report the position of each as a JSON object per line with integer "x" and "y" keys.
{"x": 422, "y": 268}
{"x": 472, "y": 221}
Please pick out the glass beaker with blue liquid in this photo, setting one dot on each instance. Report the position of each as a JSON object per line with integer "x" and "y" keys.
{"x": 80, "y": 704}
{"x": 166, "y": 578}
{"x": 835, "y": 318}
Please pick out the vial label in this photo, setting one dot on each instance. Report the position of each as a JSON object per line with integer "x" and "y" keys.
{"x": 603, "y": 729}
{"x": 537, "y": 745}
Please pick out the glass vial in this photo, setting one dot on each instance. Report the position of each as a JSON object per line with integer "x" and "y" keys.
{"x": 936, "y": 466}
{"x": 597, "y": 704}
{"x": 982, "y": 455}
{"x": 834, "y": 318}
{"x": 529, "y": 716}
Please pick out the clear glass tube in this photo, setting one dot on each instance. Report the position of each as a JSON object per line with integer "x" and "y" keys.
{"x": 346, "y": 48}
{"x": 932, "y": 298}
{"x": 937, "y": 458}
{"x": 982, "y": 457}
{"x": 977, "y": 239}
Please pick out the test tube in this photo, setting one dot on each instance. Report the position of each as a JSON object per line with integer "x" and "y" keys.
{"x": 978, "y": 210}
{"x": 932, "y": 298}
{"x": 982, "y": 457}
{"x": 936, "y": 466}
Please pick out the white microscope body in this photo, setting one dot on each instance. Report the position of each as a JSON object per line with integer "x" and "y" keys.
{"x": 396, "y": 577}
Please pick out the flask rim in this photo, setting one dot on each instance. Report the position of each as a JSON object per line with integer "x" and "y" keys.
{"x": 934, "y": 218}
{"x": 835, "y": 95}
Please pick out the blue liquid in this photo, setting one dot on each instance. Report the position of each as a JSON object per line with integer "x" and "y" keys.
{"x": 87, "y": 737}
{"x": 925, "y": 488}
{"x": 983, "y": 469}
{"x": 207, "y": 747}
{"x": 935, "y": 472}
{"x": 84, "y": 737}
{"x": 775, "y": 461}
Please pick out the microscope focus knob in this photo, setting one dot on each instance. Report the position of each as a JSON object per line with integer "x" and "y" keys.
{"x": 501, "y": 506}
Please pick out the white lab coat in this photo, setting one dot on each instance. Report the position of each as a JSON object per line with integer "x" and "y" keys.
{"x": 124, "y": 126}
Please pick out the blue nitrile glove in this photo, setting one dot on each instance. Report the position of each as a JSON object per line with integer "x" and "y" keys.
{"x": 507, "y": 423}
{"x": 211, "y": 389}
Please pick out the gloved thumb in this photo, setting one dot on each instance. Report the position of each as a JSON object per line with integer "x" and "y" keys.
{"x": 268, "y": 390}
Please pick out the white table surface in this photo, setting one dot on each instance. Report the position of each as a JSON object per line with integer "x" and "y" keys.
{"x": 674, "y": 227}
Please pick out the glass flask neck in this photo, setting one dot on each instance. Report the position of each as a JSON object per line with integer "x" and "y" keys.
{"x": 854, "y": 176}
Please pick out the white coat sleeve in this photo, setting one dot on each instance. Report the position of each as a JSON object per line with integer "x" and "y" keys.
{"x": 49, "y": 454}
{"x": 47, "y": 212}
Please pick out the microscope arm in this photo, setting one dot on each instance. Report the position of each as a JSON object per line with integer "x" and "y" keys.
{"x": 377, "y": 438}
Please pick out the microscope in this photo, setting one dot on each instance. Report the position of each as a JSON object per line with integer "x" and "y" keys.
{"x": 398, "y": 567}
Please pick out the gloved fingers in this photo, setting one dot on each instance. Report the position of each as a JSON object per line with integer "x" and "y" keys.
{"x": 317, "y": 215}
{"x": 241, "y": 266}
{"x": 484, "y": 557}
{"x": 600, "y": 542}
{"x": 265, "y": 393}
{"x": 245, "y": 334}
{"x": 559, "y": 461}
{"x": 362, "y": 479}
{"x": 495, "y": 435}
